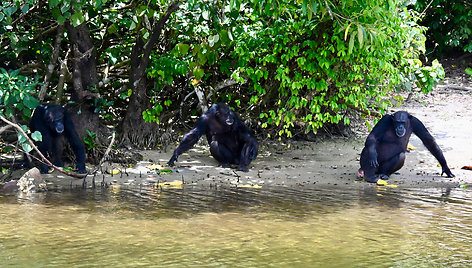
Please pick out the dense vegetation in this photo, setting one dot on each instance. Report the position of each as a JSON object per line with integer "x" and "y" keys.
{"x": 449, "y": 25}
{"x": 146, "y": 67}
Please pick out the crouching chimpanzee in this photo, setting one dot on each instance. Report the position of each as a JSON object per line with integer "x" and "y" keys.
{"x": 385, "y": 147}
{"x": 230, "y": 140}
{"x": 54, "y": 122}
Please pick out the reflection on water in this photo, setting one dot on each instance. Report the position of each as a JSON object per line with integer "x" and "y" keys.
{"x": 360, "y": 226}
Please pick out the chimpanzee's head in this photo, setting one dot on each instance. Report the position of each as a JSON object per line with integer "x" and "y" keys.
{"x": 401, "y": 122}
{"x": 224, "y": 115}
{"x": 55, "y": 119}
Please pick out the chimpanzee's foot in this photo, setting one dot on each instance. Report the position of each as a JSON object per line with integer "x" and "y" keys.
{"x": 383, "y": 177}
{"x": 243, "y": 168}
{"x": 225, "y": 164}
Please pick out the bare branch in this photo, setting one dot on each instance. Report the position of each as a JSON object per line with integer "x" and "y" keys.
{"x": 105, "y": 155}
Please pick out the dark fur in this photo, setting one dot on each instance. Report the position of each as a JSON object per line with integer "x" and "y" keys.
{"x": 384, "y": 151}
{"x": 48, "y": 119}
{"x": 229, "y": 144}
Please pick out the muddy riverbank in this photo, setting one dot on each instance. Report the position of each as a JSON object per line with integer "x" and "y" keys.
{"x": 334, "y": 161}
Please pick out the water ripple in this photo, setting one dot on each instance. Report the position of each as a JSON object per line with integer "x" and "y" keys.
{"x": 361, "y": 226}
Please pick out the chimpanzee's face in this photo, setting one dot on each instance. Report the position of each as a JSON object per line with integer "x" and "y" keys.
{"x": 400, "y": 123}
{"x": 224, "y": 115}
{"x": 55, "y": 119}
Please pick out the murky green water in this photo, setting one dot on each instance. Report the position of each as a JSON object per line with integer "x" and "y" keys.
{"x": 359, "y": 226}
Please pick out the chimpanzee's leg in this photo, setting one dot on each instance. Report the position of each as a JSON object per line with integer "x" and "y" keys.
{"x": 222, "y": 154}
{"x": 389, "y": 166}
{"x": 56, "y": 151}
{"x": 367, "y": 170}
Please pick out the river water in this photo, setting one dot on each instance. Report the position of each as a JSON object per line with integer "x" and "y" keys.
{"x": 361, "y": 225}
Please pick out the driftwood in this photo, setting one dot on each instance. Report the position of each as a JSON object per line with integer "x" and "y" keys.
{"x": 455, "y": 87}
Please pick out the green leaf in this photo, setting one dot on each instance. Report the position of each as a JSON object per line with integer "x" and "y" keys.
{"x": 198, "y": 73}
{"x": 468, "y": 71}
{"x": 61, "y": 19}
{"x": 213, "y": 39}
{"x": 360, "y": 35}
{"x": 205, "y": 14}
{"x": 10, "y": 11}
{"x": 30, "y": 102}
{"x": 314, "y": 6}
{"x": 53, "y": 3}
{"x": 37, "y": 136}
{"x": 77, "y": 19}
{"x": 347, "y": 31}
{"x": 27, "y": 147}
{"x": 25, "y": 8}
{"x": 351, "y": 42}
{"x": 182, "y": 49}
{"x": 113, "y": 28}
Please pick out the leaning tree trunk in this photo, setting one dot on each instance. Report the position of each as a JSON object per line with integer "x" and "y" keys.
{"x": 84, "y": 76}
{"x": 134, "y": 129}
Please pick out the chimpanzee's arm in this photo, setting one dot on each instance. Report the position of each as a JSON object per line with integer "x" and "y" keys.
{"x": 190, "y": 139}
{"x": 249, "y": 150}
{"x": 384, "y": 125}
{"x": 420, "y": 130}
{"x": 75, "y": 142}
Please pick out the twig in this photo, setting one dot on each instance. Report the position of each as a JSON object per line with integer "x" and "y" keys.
{"x": 105, "y": 155}
{"x": 236, "y": 174}
{"x": 43, "y": 158}
{"x": 426, "y": 8}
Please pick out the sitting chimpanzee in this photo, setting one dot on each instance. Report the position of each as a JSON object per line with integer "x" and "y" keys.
{"x": 53, "y": 121}
{"x": 230, "y": 140}
{"x": 385, "y": 147}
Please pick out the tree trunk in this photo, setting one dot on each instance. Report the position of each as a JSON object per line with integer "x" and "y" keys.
{"x": 85, "y": 68}
{"x": 134, "y": 129}
{"x": 84, "y": 76}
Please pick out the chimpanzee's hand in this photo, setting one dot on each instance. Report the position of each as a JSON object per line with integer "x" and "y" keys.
{"x": 243, "y": 168}
{"x": 373, "y": 160}
{"x": 172, "y": 160}
{"x": 448, "y": 172}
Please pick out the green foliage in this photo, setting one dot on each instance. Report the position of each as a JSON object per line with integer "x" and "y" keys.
{"x": 449, "y": 24}
{"x": 16, "y": 94}
{"x": 429, "y": 76}
{"x": 63, "y": 10}
{"x": 299, "y": 64}
{"x": 101, "y": 106}
{"x": 311, "y": 69}
{"x": 90, "y": 140}
{"x": 23, "y": 140}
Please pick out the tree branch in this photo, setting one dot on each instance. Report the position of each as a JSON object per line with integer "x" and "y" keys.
{"x": 157, "y": 29}
{"x": 52, "y": 63}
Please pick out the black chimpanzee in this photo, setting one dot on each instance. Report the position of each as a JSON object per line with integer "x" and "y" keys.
{"x": 230, "y": 140}
{"x": 385, "y": 147}
{"x": 53, "y": 121}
